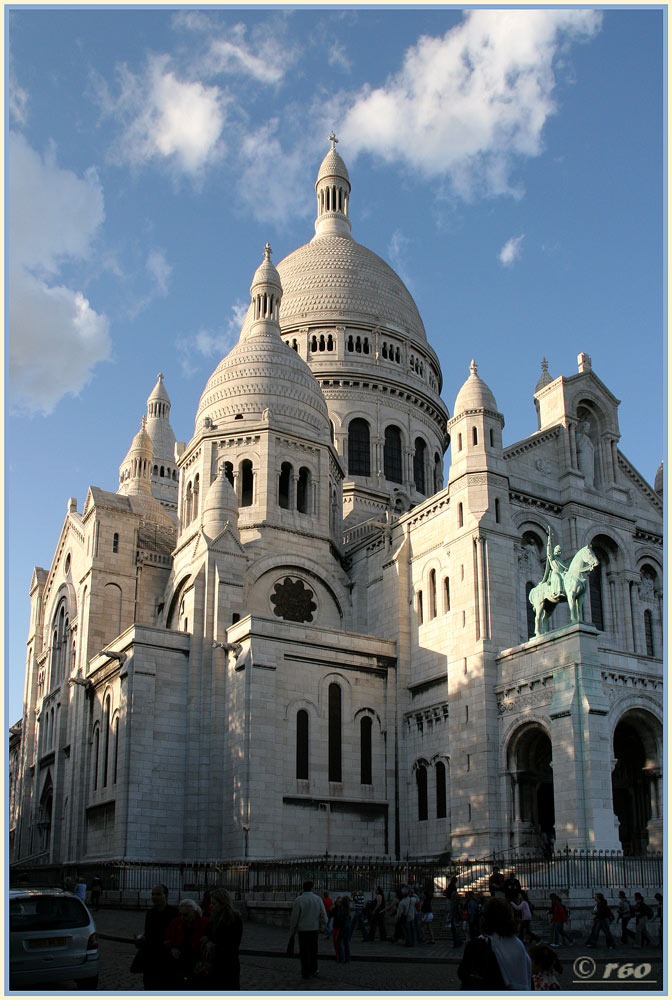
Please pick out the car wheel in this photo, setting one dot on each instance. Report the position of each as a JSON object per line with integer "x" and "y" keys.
{"x": 88, "y": 984}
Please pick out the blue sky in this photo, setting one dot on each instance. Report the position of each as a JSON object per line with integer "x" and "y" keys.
{"x": 507, "y": 163}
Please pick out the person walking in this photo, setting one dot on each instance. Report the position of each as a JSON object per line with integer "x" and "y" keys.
{"x": 393, "y": 909}
{"x": 328, "y": 905}
{"x": 624, "y": 915}
{"x": 643, "y": 913}
{"x": 342, "y": 924}
{"x": 307, "y": 920}
{"x": 406, "y": 914}
{"x": 496, "y": 959}
{"x": 521, "y": 909}
{"x": 378, "y": 915}
{"x": 152, "y": 959}
{"x": 602, "y": 916}
{"x": 427, "y": 917}
{"x": 224, "y": 934}
{"x": 455, "y": 915}
{"x": 357, "y": 914}
{"x": 559, "y": 918}
{"x": 474, "y": 910}
{"x": 96, "y": 892}
{"x": 184, "y": 938}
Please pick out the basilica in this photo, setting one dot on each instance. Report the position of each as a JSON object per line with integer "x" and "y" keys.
{"x": 289, "y": 635}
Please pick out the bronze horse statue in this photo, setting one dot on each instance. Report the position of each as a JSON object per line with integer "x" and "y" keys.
{"x": 574, "y": 580}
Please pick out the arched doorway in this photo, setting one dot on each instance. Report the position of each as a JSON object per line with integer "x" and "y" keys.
{"x": 635, "y": 782}
{"x": 530, "y": 761}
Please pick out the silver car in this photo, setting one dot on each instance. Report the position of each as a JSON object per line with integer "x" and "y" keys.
{"x": 52, "y": 938}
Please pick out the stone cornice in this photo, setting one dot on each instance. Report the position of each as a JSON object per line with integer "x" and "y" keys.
{"x": 527, "y": 444}
{"x": 631, "y": 472}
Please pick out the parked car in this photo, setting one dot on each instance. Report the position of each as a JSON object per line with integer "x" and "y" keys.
{"x": 52, "y": 938}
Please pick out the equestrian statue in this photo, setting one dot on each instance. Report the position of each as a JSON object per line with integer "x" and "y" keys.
{"x": 561, "y": 583}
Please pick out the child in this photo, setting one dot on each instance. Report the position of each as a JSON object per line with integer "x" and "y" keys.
{"x": 544, "y": 964}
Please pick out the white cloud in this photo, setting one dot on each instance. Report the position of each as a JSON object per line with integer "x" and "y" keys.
{"x": 397, "y": 252}
{"x": 163, "y": 117}
{"x": 511, "y": 250}
{"x": 18, "y": 101}
{"x": 284, "y": 185}
{"x": 55, "y": 337}
{"x": 208, "y": 345}
{"x": 338, "y": 57}
{"x": 465, "y": 105}
{"x": 266, "y": 56}
{"x": 159, "y": 269}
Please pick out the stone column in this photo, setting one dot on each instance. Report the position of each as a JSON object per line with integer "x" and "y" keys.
{"x": 614, "y": 460}
{"x": 573, "y": 458}
{"x": 629, "y": 642}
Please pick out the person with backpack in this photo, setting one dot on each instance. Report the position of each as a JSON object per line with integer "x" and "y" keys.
{"x": 624, "y": 915}
{"x": 559, "y": 918}
{"x": 496, "y": 959}
{"x": 643, "y": 913}
{"x": 602, "y": 917}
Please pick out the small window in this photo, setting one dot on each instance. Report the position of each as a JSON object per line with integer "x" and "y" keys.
{"x": 459, "y": 442}
{"x": 115, "y": 542}
{"x": 359, "y": 448}
{"x": 303, "y": 491}
{"x": 474, "y": 435}
{"x": 446, "y": 594}
{"x": 460, "y": 516}
{"x": 334, "y": 750}
{"x": 648, "y": 633}
{"x": 440, "y": 772}
{"x": 420, "y": 614}
{"x": 302, "y": 723}
{"x": 284, "y": 485}
{"x": 531, "y": 628}
{"x": 247, "y": 483}
{"x": 228, "y": 471}
{"x": 432, "y": 594}
{"x": 365, "y": 731}
{"x": 497, "y": 510}
{"x": 419, "y": 466}
{"x": 421, "y": 779}
{"x": 392, "y": 454}
{"x": 492, "y": 438}
{"x": 235, "y": 617}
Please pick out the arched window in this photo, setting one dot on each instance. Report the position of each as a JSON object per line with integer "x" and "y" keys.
{"x": 474, "y": 435}
{"x": 302, "y": 744}
{"x": 437, "y": 472}
{"x": 365, "y": 731}
{"x": 303, "y": 491}
{"x": 111, "y": 612}
{"x": 359, "y": 448}
{"x": 106, "y": 738}
{"x": 197, "y": 489}
{"x": 596, "y": 606}
{"x": 115, "y": 542}
{"x": 492, "y": 438}
{"x": 529, "y": 611}
{"x": 284, "y": 485}
{"x": 96, "y": 753}
{"x": 247, "y": 483}
{"x": 188, "y": 503}
{"x": 648, "y": 633}
{"x": 419, "y": 466}
{"x": 115, "y": 761}
{"x": 497, "y": 510}
{"x": 460, "y": 515}
{"x": 335, "y": 713}
{"x": 432, "y": 593}
{"x": 446, "y": 595}
{"x": 440, "y": 772}
{"x": 228, "y": 471}
{"x": 420, "y": 609}
{"x": 421, "y": 780}
{"x": 459, "y": 442}
{"x": 392, "y": 454}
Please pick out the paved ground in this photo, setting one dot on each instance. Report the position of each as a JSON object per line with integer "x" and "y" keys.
{"x": 376, "y": 966}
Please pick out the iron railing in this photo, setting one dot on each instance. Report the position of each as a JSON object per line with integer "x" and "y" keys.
{"x": 126, "y": 881}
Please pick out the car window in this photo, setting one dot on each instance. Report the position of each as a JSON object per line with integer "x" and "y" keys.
{"x": 44, "y": 913}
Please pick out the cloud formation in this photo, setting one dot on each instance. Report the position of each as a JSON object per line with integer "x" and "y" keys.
{"x": 266, "y": 56}
{"x": 464, "y": 106}
{"x": 511, "y": 250}
{"x": 55, "y": 337}
{"x": 166, "y": 118}
{"x": 209, "y": 345}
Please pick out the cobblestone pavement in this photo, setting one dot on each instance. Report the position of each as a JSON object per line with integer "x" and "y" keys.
{"x": 378, "y": 967}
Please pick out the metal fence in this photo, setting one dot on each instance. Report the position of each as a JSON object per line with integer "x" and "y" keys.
{"x": 129, "y": 881}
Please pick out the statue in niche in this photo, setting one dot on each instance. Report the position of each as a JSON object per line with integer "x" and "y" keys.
{"x": 561, "y": 583}
{"x": 585, "y": 452}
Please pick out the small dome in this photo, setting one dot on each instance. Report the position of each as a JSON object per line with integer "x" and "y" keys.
{"x": 332, "y": 166}
{"x": 659, "y": 481}
{"x": 158, "y": 393}
{"x": 474, "y": 394}
{"x": 141, "y": 445}
{"x": 135, "y": 470}
{"x": 221, "y": 506}
{"x": 544, "y": 378}
{"x": 266, "y": 277}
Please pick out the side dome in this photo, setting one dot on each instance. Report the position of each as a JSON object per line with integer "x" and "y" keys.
{"x": 221, "y": 506}
{"x": 474, "y": 394}
{"x": 262, "y": 380}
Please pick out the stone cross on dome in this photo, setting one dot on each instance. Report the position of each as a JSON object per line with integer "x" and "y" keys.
{"x": 332, "y": 139}
{"x": 267, "y": 251}
{"x": 473, "y": 367}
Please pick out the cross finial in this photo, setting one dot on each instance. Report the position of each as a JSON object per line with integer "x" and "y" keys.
{"x": 332, "y": 139}
{"x": 143, "y": 421}
{"x": 267, "y": 251}
{"x": 544, "y": 365}
{"x": 473, "y": 367}
{"x": 160, "y": 376}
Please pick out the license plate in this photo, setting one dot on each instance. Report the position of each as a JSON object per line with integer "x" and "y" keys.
{"x": 56, "y": 942}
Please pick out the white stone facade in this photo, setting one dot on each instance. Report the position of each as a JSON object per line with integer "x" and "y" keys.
{"x": 287, "y": 636}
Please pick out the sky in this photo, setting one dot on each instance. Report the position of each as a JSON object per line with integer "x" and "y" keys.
{"x": 508, "y": 164}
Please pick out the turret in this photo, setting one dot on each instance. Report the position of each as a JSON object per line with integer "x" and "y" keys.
{"x": 135, "y": 470}
{"x": 333, "y": 194}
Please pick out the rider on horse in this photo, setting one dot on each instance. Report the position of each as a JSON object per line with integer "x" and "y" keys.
{"x": 555, "y": 570}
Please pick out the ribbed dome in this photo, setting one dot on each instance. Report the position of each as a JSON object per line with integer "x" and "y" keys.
{"x": 141, "y": 445}
{"x": 337, "y": 280}
{"x": 474, "y": 394}
{"x": 332, "y": 166}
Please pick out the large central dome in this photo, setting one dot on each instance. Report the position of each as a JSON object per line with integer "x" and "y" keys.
{"x": 334, "y": 277}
